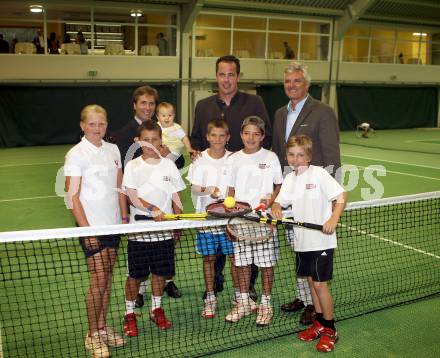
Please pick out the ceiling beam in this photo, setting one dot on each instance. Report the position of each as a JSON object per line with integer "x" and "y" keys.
{"x": 260, "y": 6}
{"x": 415, "y": 3}
{"x": 352, "y": 14}
{"x": 189, "y": 14}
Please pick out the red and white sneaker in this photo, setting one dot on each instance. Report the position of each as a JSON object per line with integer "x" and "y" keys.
{"x": 158, "y": 317}
{"x": 130, "y": 326}
{"x": 209, "y": 308}
{"x": 327, "y": 341}
{"x": 311, "y": 333}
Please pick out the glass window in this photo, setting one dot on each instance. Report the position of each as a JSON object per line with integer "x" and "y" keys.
{"x": 358, "y": 31}
{"x": 253, "y": 23}
{"x": 157, "y": 41}
{"x": 379, "y": 33}
{"x": 276, "y": 47}
{"x": 382, "y": 51}
{"x": 249, "y": 44}
{"x": 315, "y": 27}
{"x": 283, "y": 25}
{"x": 212, "y": 43}
{"x": 213, "y": 20}
{"x": 158, "y": 19}
{"x": 314, "y": 47}
{"x": 355, "y": 50}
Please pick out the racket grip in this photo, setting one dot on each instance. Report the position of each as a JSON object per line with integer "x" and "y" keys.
{"x": 139, "y": 217}
{"x": 311, "y": 226}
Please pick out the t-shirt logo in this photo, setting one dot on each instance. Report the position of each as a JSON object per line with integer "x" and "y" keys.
{"x": 117, "y": 163}
{"x": 310, "y": 186}
{"x": 166, "y": 178}
{"x": 263, "y": 166}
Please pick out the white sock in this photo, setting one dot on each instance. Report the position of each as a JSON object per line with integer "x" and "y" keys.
{"x": 129, "y": 306}
{"x": 143, "y": 287}
{"x": 244, "y": 297}
{"x": 210, "y": 296}
{"x": 155, "y": 302}
{"x": 237, "y": 293}
{"x": 265, "y": 300}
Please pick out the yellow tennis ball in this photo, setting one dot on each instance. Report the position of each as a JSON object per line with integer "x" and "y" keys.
{"x": 229, "y": 202}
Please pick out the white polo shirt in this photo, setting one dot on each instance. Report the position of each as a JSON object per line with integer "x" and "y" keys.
{"x": 98, "y": 169}
{"x": 208, "y": 171}
{"x": 254, "y": 175}
{"x": 155, "y": 183}
{"x": 311, "y": 194}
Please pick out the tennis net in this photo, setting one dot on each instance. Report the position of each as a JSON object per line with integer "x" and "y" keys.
{"x": 388, "y": 253}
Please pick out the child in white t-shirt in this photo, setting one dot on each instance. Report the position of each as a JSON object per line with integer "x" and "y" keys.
{"x": 255, "y": 177}
{"x": 153, "y": 185}
{"x": 315, "y": 197}
{"x": 208, "y": 177}
{"x": 173, "y": 135}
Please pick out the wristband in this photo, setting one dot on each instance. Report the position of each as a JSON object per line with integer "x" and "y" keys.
{"x": 125, "y": 218}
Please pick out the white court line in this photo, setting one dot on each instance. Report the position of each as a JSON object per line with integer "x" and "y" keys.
{"x": 30, "y": 198}
{"x": 419, "y": 140}
{"x": 391, "y": 161}
{"x": 400, "y": 173}
{"x": 26, "y": 164}
{"x": 408, "y": 247}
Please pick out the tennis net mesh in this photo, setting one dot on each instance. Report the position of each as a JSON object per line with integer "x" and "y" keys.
{"x": 388, "y": 253}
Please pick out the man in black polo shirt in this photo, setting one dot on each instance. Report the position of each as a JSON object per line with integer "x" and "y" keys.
{"x": 233, "y": 106}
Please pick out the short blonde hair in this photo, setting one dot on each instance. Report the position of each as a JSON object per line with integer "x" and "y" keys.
{"x": 165, "y": 105}
{"x": 92, "y": 108}
{"x": 298, "y": 66}
{"x": 302, "y": 141}
{"x": 217, "y": 123}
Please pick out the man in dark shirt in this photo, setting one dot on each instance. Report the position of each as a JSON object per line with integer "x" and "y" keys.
{"x": 4, "y": 45}
{"x": 233, "y": 106}
{"x": 229, "y": 104}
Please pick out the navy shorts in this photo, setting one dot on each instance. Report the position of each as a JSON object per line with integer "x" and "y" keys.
{"x": 315, "y": 264}
{"x": 212, "y": 244}
{"x": 105, "y": 242}
{"x": 155, "y": 257}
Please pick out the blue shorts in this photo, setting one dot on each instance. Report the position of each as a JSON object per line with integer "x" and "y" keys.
{"x": 212, "y": 244}
{"x": 104, "y": 242}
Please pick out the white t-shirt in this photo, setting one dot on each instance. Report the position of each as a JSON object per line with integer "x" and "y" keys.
{"x": 208, "y": 171}
{"x": 172, "y": 137}
{"x": 311, "y": 194}
{"x": 98, "y": 169}
{"x": 253, "y": 175}
{"x": 155, "y": 183}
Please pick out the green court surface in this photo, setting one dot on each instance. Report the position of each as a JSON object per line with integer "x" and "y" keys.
{"x": 389, "y": 164}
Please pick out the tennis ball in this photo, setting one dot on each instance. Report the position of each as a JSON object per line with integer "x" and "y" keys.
{"x": 229, "y": 202}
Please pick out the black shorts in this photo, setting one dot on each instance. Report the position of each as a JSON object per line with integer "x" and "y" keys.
{"x": 105, "y": 242}
{"x": 315, "y": 264}
{"x": 156, "y": 257}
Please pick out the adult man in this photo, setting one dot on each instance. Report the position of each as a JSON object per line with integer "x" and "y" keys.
{"x": 144, "y": 101}
{"x": 233, "y": 106}
{"x": 4, "y": 45}
{"x": 305, "y": 115}
{"x": 288, "y": 52}
{"x": 39, "y": 42}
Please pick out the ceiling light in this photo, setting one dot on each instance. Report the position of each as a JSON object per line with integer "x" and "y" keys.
{"x": 36, "y": 8}
{"x": 420, "y": 34}
{"x": 136, "y": 13}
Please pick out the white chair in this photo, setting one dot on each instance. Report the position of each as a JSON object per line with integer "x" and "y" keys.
{"x": 25, "y": 48}
{"x": 149, "y": 50}
{"x": 242, "y": 53}
{"x": 114, "y": 49}
{"x": 70, "y": 49}
{"x": 276, "y": 54}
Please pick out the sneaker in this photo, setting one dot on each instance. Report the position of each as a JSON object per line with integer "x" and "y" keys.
{"x": 209, "y": 309}
{"x": 311, "y": 333}
{"x": 130, "y": 326}
{"x": 96, "y": 346}
{"x": 308, "y": 315}
{"x": 264, "y": 316}
{"x": 293, "y": 306}
{"x": 172, "y": 290}
{"x": 253, "y": 304}
{"x": 158, "y": 317}
{"x": 139, "y": 303}
{"x": 239, "y": 311}
{"x": 111, "y": 337}
{"x": 327, "y": 341}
